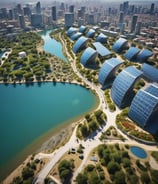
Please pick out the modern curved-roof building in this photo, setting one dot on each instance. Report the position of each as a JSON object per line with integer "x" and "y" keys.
{"x": 90, "y": 33}
{"x": 102, "y": 51}
{"x": 144, "y": 106}
{"x": 80, "y": 44}
{"x": 108, "y": 71}
{"x": 120, "y": 44}
{"x": 150, "y": 72}
{"x": 132, "y": 53}
{"x": 75, "y": 36}
{"x": 82, "y": 29}
{"x": 144, "y": 55}
{"x": 88, "y": 56}
{"x": 101, "y": 38}
{"x": 122, "y": 89}
{"x": 71, "y": 31}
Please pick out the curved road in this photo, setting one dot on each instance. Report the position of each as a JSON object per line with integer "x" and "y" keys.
{"x": 89, "y": 144}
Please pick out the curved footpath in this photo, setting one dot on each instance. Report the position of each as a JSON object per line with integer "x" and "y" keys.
{"x": 89, "y": 143}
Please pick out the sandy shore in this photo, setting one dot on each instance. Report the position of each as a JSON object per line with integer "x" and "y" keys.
{"x": 59, "y": 137}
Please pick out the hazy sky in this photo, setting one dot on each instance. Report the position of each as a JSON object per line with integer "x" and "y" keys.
{"x": 11, "y": 2}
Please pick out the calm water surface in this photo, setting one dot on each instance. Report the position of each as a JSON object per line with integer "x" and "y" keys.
{"x": 139, "y": 152}
{"x": 51, "y": 45}
{"x": 28, "y": 112}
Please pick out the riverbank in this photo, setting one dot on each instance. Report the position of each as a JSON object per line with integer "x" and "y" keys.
{"x": 47, "y": 143}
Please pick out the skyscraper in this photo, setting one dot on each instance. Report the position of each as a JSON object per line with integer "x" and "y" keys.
{"x": 36, "y": 20}
{"x": 38, "y": 8}
{"x": 19, "y": 9}
{"x": 22, "y": 21}
{"x": 54, "y": 14}
{"x": 69, "y": 19}
{"x": 138, "y": 28}
{"x": 71, "y": 9}
{"x": 121, "y": 17}
{"x": 152, "y": 8}
{"x": 133, "y": 23}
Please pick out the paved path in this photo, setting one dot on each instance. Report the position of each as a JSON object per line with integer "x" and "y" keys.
{"x": 90, "y": 143}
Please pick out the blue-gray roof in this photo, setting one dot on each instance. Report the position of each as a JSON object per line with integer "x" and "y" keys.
{"x": 119, "y": 44}
{"x": 152, "y": 89}
{"x": 80, "y": 44}
{"x": 101, "y": 38}
{"x": 82, "y": 29}
{"x": 70, "y": 31}
{"x": 144, "y": 105}
{"x": 88, "y": 55}
{"x": 144, "y": 55}
{"x": 122, "y": 88}
{"x": 75, "y": 36}
{"x": 131, "y": 53}
{"x": 90, "y": 33}
{"x": 150, "y": 72}
{"x": 108, "y": 70}
{"x": 102, "y": 51}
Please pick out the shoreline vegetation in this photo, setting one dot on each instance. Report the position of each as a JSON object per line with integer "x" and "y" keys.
{"x": 54, "y": 138}
{"x": 57, "y": 140}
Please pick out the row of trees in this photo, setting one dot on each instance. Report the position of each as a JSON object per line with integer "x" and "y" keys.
{"x": 121, "y": 168}
{"x": 92, "y": 123}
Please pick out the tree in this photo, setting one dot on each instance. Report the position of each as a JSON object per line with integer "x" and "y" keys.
{"x": 113, "y": 167}
{"x": 126, "y": 162}
{"x": 84, "y": 130}
{"x": 93, "y": 125}
{"x": 120, "y": 177}
{"x": 81, "y": 179}
{"x": 145, "y": 178}
{"x": 27, "y": 172}
{"x": 65, "y": 169}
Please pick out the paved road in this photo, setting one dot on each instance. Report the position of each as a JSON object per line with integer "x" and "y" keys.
{"x": 90, "y": 143}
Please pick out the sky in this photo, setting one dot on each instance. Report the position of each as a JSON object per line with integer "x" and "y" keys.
{"x": 6, "y": 2}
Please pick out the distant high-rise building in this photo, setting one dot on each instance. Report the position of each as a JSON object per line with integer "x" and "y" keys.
{"x": 71, "y": 9}
{"x": 92, "y": 19}
{"x": 19, "y": 9}
{"x": 54, "y": 13}
{"x": 22, "y": 21}
{"x": 125, "y": 7}
{"x": 11, "y": 14}
{"x": 133, "y": 23}
{"x": 152, "y": 8}
{"x": 27, "y": 11}
{"x": 121, "y": 17}
{"x": 69, "y": 19}
{"x": 38, "y": 8}
{"x": 138, "y": 27}
{"x": 36, "y": 20}
{"x": 62, "y": 6}
{"x": 3, "y": 13}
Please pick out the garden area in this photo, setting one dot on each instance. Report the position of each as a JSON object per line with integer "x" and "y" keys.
{"x": 92, "y": 122}
{"x": 117, "y": 165}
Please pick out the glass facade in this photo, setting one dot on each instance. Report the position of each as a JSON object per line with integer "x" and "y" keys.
{"x": 122, "y": 88}
{"x": 70, "y": 31}
{"x": 101, "y": 38}
{"x": 119, "y": 44}
{"x": 108, "y": 70}
{"x": 144, "y": 105}
{"x": 80, "y": 44}
{"x": 75, "y": 36}
{"x": 150, "y": 72}
{"x": 144, "y": 55}
{"x": 90, "y": 33}
{"x": 82, "y": 29}
{"x": 88, "y": 55}
{"x": 131, "y": 53}
{"x": 102, "y": 51}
